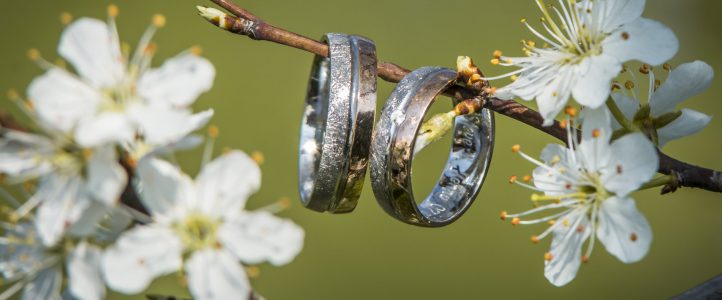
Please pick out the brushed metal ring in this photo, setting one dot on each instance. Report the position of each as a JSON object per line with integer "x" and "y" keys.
{"x": 392, "y": 153}
{"x": 337, "y": 124}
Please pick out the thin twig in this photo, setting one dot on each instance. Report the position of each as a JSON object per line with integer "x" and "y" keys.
{"x": 254, "y": 27}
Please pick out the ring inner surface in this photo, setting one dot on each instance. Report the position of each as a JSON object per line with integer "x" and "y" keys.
{"x": 313, "y": 126}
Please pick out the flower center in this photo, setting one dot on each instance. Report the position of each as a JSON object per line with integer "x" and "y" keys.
{"x": 198, "y": 231}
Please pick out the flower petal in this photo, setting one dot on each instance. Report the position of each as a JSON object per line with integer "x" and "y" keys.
{"x": 46, "y": 285}
{"x": 106, "y": 178}
{"x": 103, "y": 128}
{"x": 177, "y": 83}
{"x": 646, "y": 40}
{"x": 165, "y": 190}
{"x": 689, "y": 123}
{"x": 554, "y": 96}
{"x": 260, "y": 236}
{"x": 628, "y": 105}
{"x": 619, "y": 12}
{"x": 93, "y": 49}
{"x": 566, "y": 248}
{"x": 84, "y": 278}
{"x": 87, "y": 224}
{"x": 162, "y": 126}
{"x": 623, "y": 230}
{"x": 550, "y": 181}
{"x": 140, "y": 255}
{"x": 61, "y": 100}
{"x": 684, "y": 82}
{"x": 214, "y": 274}
{"x": 596, "y": 132}
{"x": 62, "y": 203}
{"x": 23, "y": 155}
{"x": 634, "y": 162}
{"x": 225, "y": 184}
{"x": 594, "y": 81}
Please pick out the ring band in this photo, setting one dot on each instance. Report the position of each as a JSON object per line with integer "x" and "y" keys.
{"x": 393, "y": 144}
{"x": 338, "y": 124}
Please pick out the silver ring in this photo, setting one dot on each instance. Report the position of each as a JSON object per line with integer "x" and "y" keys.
{"x": 337, "y": 124}
{"x": 392, "y": 151}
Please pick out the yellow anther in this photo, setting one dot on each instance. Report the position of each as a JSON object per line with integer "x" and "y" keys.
{"x": 132, "y": 162}
{"x": 625, "y": 35}
{"x": 497, "y": 54}
{"x": 585, "y": 259}
{"x": 213, "y": 131}
{"x": 503, "y": 215}
{"x": 563, "y": 124}
{"x": 475, "y": 78}
{"x": 629, "y": 84}
{"x": 66, "y": 18}
{"x": 490, "y": 90}
{"x": 87, "y": 154}
{"x": 33, "y": 54}
{"x": 523, "y": 20}
{"x": 151, "y": 48}
{"x": 509, "y": 61}
{"x": 516, "y": 148}
{"x": 535, "y": 239}
{"x": 13, "y": 94}
{"x": 571, "y": 111}
{"x": 667, "y": 67}
{"x": 112, "y": 10}
{"x": 645, "y": 68}
{"x": 530, "y": 44}
{"x": 548, "y": 256}
{"x": 196, "y": 50}
{"x": 596, "y": 133}
{"x": 633, "y": 237}
{"x": 526, "y": 178}
{"x": 565, "y": 222}
{"x": 13, "y": 217}
{"x": 258, "y": 157}
{"x": 253, "y": 271}
{"x": 551, "y": 222}
{"x": 514, "y": 78}
{"x": 284, "y": 202}
{"x": 495, "y": 61}
{"x": 515, "y": 221}
{"x": 512, "y": 179}
{"x": 158, "y": 20}
{"x": 556, "y": 159}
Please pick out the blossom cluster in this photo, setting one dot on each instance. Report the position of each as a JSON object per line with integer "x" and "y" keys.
{"x": 582, "y": 191}
{"x": 116, "y": 115}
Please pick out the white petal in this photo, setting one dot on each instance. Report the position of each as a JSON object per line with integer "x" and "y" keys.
{"x": 139, "y": 256}
{"x": 214, "y": 274}
{"x": 646, "y": 40}
{"x": 225, "y": 184}
{"x": 87, "y": 224}
{"x": 165, "y": 190}
{"x": 106, "y": 127}
{"x": 45, "y": 286}
{"x": 684, "y": 82}
{"x": 83, "y": 267}
{"x": 23, "y": 154}
{"x": 178, "y": 82}
{"x": 623, "y": 230}
{"x": 594, "y": 151}
{"x": 260, "y": 236}
{"x": 566, "y": 248}
{"x": 555, "y": 95}
{"x": 634, "y": 162}
{"x": 106, "y": 178}
{"x": 549, "y": 181}
{"x": 628, "y": 105}
{"x": 619, "y": 12}
{"x": 61, "y": 100}
{"x": 93, "y": 49}
{"x": 63, "y": 201}
{"x": 594, "y": 81}
{"x": 689, "y": 123}
{"x": 162, "y": 126}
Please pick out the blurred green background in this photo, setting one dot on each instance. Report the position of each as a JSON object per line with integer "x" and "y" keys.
{"x": 258, "y": 95}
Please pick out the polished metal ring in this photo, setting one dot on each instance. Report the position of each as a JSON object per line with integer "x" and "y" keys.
{"x": 392, "y": 151}
{"x": 337, "y": 124}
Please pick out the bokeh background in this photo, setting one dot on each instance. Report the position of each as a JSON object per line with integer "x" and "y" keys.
{"x": 258, "y": 95}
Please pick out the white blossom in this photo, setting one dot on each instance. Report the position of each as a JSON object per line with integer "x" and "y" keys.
{"x": 586, "y": 188}
{"x": 118, "y": 98}
{"x": 76, "y": 186}
{"x": 659, "y": 116}
{"x": 202, "y": 227}
{"x": 585, "y": 44}
{"x": 38, "y": 269}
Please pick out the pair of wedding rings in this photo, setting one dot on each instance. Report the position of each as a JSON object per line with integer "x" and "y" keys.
{"x": 338, "y": 138}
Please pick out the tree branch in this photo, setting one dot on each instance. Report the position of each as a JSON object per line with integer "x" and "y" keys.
{"x": 248, "y": 24}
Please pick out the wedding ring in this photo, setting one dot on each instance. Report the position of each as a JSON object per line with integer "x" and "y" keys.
{"x": 392, "y": 151}
{"x": 337, "y": 124}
